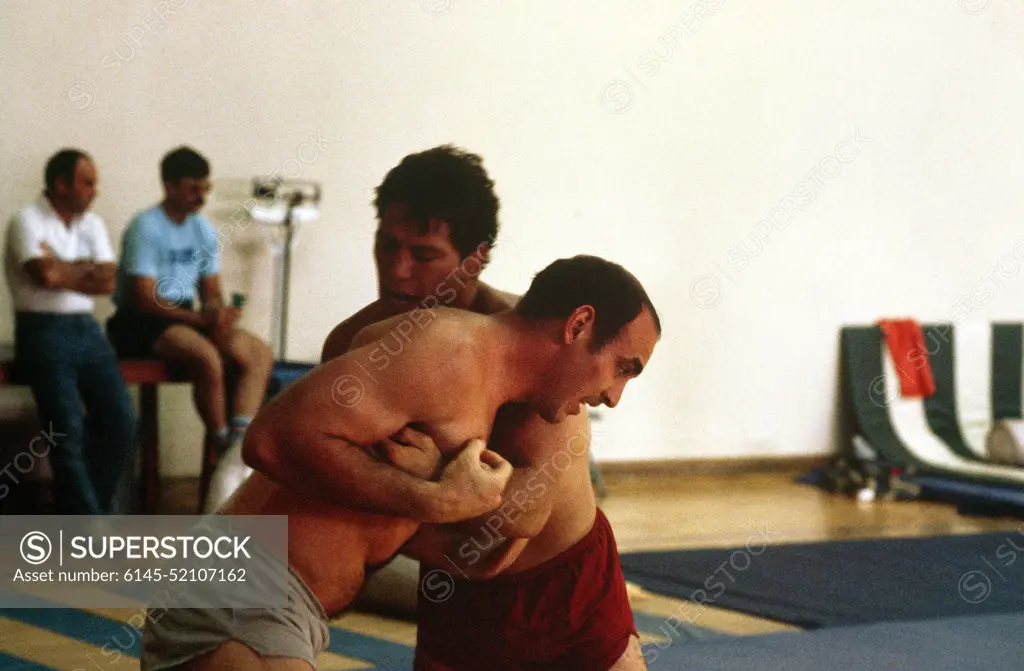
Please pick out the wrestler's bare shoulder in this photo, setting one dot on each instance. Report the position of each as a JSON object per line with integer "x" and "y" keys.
{"x": 438, "y": 329}
{"x": 490, "y": 300}
{"x": 406, "y": 360}
{"x": 340, "y": 338}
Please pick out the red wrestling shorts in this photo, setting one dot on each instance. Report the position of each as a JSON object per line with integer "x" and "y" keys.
{"x": 569, "y": 613}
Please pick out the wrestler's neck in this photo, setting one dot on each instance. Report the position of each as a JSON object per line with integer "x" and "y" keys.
{"x": 474, "y": 297}
{"x": 523, "y": 353}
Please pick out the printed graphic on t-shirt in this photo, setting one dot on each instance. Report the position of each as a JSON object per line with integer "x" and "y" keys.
{"x": 189, "y": 255}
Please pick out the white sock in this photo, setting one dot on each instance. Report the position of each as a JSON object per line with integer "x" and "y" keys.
{"x": 228, "y": 476}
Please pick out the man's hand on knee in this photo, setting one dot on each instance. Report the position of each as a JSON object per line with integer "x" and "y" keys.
{"x": 219, "y": 324}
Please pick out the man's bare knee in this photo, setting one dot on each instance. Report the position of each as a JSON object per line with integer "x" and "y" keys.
{"x": 193, "y": 350}
{"x": 262, "y": 356}
{"x": 250, "y": 353}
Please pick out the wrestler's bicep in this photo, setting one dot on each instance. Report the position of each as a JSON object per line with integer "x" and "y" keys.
{"x": 347, "y": 399}
{"x": 376, "y": 388}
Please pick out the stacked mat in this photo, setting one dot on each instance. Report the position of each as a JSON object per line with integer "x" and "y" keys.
{"x": 978, "y": 372}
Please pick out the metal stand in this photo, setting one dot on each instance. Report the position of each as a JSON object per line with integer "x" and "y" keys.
{"x": 282, "y": 283}
{"x": 300, "y": 199}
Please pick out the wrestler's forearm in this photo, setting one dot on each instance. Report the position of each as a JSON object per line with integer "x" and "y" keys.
{"x": 343, "y": 474}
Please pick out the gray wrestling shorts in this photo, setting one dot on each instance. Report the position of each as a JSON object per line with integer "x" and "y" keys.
{"x": 174, "y": 636}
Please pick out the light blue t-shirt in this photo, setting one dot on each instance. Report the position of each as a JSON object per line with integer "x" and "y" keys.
{"x": 175, "y": 255}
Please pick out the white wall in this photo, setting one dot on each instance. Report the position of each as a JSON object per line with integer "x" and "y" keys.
{"x": 668, "y": 166}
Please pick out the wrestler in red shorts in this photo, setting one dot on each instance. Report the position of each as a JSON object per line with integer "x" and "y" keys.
{"x": 568, "y": 613}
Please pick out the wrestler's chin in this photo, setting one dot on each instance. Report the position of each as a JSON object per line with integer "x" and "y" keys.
{"x": 551, "y": 415}
{"x": 563, "y": 413}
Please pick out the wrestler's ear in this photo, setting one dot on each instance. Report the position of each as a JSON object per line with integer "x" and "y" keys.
{"x": 483, "y": 253}
{"x": 578, "y": 324}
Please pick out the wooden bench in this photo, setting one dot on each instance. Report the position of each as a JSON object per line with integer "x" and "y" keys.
{"x": 148, "y": 375}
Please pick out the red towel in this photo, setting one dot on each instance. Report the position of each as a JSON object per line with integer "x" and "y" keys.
{"x": 906, "y": 345}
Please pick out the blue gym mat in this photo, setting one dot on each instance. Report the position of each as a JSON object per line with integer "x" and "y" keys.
{"x": 971, "y": 498}
{"x": 984, "y": 643}
{"x": 109, "y": 637}
{"x": 829, "y": 584}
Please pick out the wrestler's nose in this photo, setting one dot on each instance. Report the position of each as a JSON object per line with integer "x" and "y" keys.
{"x": 401, "y": 266}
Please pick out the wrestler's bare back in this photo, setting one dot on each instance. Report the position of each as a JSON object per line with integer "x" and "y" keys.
{"x": 332, "y": 547}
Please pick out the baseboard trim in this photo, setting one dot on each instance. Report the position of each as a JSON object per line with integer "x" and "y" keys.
{"x": 651, "y": 467}
{"x": 181, "y": 492}
{"x": 725, "y": 466}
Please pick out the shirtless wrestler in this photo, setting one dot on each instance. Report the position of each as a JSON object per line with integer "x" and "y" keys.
{"x": 352, "y": 511}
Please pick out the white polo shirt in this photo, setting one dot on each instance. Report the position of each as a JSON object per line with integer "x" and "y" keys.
{"x": 84, "y": 239}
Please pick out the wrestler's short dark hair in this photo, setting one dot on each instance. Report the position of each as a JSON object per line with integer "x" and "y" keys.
{"x": 182, "y": 163}
{"x": 62, "y": 166}
{"x": 615, "y": 294}
{"x": 446, "y": 183}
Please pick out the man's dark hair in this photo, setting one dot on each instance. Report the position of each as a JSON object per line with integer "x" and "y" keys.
{"x": 446, "y": 183}
{"x": 62, "y": 166}
{"x": 615, "y": 294}
{"x": 182, "y": 163}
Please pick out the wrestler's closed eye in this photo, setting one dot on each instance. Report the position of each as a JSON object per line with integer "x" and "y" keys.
{"x": 630, "y": 367}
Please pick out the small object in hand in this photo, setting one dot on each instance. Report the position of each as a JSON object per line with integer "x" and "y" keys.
{"x": 237, "y": 300}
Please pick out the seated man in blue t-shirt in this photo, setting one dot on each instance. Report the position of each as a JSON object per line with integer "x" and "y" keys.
{"x": 169, "y": 254}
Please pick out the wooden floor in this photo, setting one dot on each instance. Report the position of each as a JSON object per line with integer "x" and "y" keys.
{"x": 650, "y": 512}
{"x": 661, "y": 513}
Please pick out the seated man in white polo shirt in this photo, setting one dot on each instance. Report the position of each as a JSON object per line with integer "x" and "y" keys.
{"x": 58, "y": 256}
